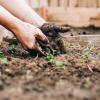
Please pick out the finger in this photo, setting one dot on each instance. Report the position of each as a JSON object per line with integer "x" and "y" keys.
{"x": 46, "y": 28}
{"x": 45, "y": 47}
{"x": 36, "y": 52}
{"x": 42, "y": 37}
{"x": 61, "y": 46}
{"x": 41, "y": 52}
{"x": 36, "y": 49}
{"x": 62, "y": 29}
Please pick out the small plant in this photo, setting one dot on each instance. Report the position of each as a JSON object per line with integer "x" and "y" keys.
{"x": 60, "y": 64}
{"x": 50, "y": 57}
{"x": 98, "y": 54}
{"x": 3, "y": 58}
{"x": 53, "y": 52}
{"x": 12, "y": 48}
{"x": 86, "y": 58}
{"x": 1, "y": 54}
{"x": 92, "y": 49}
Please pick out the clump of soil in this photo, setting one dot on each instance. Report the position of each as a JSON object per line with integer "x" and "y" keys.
{"x": 27, "y": 78}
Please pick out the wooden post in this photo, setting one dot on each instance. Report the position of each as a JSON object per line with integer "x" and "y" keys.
{"x": 98, "y": 3}
{"x": 53, "y": 3}
{"x": 67, "y": 1}
{"x": 72, "y": 3}
{"x": 92, "y": 3}
{"x": 82, "y": 3}
{"x": 43, "y": 9}
{"x": 63, "y": 3}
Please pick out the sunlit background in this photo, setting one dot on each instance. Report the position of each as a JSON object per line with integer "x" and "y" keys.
{"x": 77, "y": 13}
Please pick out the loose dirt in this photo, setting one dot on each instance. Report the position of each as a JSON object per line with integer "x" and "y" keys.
{"x": 27, "y": 78}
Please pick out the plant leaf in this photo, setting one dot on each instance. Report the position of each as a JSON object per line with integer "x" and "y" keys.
{"x": 50, "y": 57}
{"x": 4, "y": 60}
{"x": 60, "y": 64}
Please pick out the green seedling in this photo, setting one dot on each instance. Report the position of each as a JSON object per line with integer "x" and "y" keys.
{"x": 12, "y": 48}
{"x": 92, "y": 49}
{"x": 50, "y": 57}
{"x": 98, "y": 54}
{"x": 60, "y": 64}
{"x": 86, "y": 58}
{"x": 1, "y": 54}
{"x": 53, "y": 52}
{"x": 4, "y": 61}
{"x": 3, "y": 58}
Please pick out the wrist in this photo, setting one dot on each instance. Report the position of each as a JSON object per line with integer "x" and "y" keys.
{"x": 11, "y": 23}
{"x": 15, "y": 25}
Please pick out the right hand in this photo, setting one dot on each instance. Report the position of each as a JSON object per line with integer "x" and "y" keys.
{"x": 27, "y": 35}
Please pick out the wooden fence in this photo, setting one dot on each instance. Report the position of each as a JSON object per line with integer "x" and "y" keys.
{"x": 77, "y": 13}
{"x": 64, "y": 3}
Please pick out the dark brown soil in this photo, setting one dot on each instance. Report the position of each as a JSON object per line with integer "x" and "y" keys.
{"x": 26, "y": 78}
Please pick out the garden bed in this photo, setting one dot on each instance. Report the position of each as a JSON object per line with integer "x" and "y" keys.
{"x": 71, "y": 76}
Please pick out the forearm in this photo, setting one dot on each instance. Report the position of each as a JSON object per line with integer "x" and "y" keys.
{"x": 8, "y": 20}
{"x": 21, "y": 10}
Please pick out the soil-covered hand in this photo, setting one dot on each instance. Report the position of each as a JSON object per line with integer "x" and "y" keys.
{"x": 52, "y": 31}
{"x": 28, "y": 34}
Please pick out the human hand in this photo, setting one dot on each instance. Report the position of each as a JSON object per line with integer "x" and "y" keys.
{"x": 52, "y": 31}
{"x": 28, "y": 35}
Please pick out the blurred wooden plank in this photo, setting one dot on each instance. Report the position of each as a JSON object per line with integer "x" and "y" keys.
{"x": 76, "y": 16}
{"x": 92, "y": 3}
{"x": 67, "y": 1}
{"x": 82, "y": 3}
{"x": 48, "y": 2}
{"x": 63, "y": 3}
{"x": 98, "y": 2}
{"x": 73, "y": 3}
{"x": 53, "y": 3}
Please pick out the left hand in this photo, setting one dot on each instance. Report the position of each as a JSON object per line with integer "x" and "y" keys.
{"x": 52, "y": 31}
